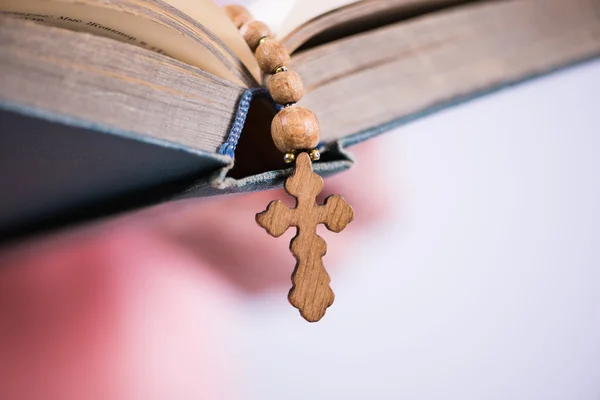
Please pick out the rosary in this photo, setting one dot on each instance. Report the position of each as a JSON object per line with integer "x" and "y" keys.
{"x": 295, "y": 132}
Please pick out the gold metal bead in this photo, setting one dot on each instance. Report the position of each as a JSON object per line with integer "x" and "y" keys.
{"x": 262, "y": 39}
{"x": 289, "y": 157}
{"x": 315, "y": 155}
{"x": 281, "y": 69}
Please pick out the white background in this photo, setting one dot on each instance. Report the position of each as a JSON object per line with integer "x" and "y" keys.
{"x": 485, "y": 281}
{"x": 484, "y": 284}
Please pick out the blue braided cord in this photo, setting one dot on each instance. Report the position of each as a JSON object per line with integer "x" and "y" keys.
{"x": 228, "y": 148}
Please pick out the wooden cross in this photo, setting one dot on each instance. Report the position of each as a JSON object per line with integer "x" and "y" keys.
{"x": 310, "y": 292}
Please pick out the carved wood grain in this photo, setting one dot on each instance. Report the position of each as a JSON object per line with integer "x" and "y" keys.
{"x": 310, "y": 293}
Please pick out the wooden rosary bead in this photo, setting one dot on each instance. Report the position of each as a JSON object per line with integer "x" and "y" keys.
{"x": 285, "y": 87}
{"x": 271, "y": 54}
{"x": 253, "y": 31}
{"x": 239, "y": 15}
{"x": 295, "y": 128}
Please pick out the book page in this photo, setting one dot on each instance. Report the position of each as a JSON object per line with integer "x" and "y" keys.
{"x": 212, "y": 16}
{"x": 141, "y": 24}
{"x": 305, "y": 10}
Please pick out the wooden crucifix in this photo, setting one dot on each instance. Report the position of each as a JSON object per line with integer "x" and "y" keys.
{"x": 310, "y": 292}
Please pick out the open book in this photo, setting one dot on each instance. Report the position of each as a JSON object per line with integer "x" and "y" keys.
{"x": 111, "y": 104}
